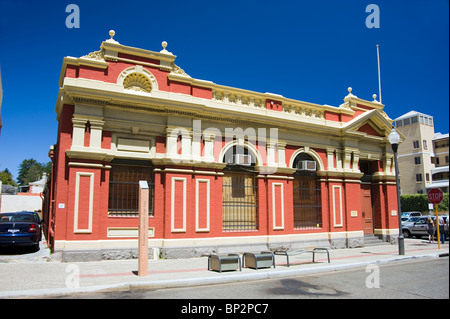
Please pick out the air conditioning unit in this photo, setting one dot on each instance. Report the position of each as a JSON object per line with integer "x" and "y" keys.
{"x": 306, "y": 165}
{"x": 242, "y": 159}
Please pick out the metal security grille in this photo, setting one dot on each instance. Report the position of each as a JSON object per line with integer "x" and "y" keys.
{"x": 124, "y": 189}
{"x": 239, "y": 201}
{"x": 307, "y": 206}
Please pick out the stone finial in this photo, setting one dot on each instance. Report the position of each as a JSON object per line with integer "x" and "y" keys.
{"x": 350, "y": 95}
{"x": 164, "y": 45}
{"x": 112, "y": 33}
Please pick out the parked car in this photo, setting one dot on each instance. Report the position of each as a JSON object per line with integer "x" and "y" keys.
{"x": 20, "y": 228}
{"x": 408, "y": 215}
{"x": 417, "y": 226}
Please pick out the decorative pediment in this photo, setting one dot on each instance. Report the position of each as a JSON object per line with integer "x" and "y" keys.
{"x": 137, "y": 82}
{"x": 372, "y": 123}
{"x": 137, "y": 78}
{"x": 369, "y": 129}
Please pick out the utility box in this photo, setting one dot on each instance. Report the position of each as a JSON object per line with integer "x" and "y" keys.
{"x": 224, "y": 263}
{"x": 263, "y": 259}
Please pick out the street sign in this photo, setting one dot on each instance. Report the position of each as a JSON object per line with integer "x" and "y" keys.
{"x": 435, "y": 196}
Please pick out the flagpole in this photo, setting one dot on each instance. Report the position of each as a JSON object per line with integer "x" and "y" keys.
{"x": 379, "y": 76}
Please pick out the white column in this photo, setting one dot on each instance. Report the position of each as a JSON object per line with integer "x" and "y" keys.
{"x": 96, "y": 133}
{"x": 79, "y": 127}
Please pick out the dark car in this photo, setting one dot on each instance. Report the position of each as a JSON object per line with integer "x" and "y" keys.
{"x": 20, "y": 228}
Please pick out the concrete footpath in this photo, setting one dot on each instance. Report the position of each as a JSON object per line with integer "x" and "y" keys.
{"x": 38, "y": 277}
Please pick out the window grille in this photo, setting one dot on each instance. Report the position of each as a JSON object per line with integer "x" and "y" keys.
{"x": 124, "y": 189}
{"x": 307, "y": 202}
{"x": 239, "y": 201}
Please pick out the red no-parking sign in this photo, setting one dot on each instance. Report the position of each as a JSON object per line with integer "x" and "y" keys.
{"x": 435, "y": 196}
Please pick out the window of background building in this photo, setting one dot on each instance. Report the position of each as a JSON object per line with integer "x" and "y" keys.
{"x": 425, "y": 144}
{"x": 415, "y": 144}
{"x": 418, "y": 177}
{"x": 399, "y": 123}
{"x": 406, "y": 121}
{"x": 427, "y": 177}
{"x": 417, "y": 160}
{"x": 414, "y": 120}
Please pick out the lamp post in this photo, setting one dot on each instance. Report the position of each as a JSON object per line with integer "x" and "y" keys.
{"x": 394, "y": 139}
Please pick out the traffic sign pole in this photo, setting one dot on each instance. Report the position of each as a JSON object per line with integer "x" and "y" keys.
{"x": 437, "y": 225}
{"x": 435, "y": 196}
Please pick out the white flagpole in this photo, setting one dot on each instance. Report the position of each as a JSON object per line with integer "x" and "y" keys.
{"x": 379, "y": 76}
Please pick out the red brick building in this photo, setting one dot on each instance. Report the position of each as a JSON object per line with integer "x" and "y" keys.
{"x": 230, "y": 170}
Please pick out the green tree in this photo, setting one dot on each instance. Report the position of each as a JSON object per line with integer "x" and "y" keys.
{"x": 6, "y": 178}
{"x": 30, "y": 171}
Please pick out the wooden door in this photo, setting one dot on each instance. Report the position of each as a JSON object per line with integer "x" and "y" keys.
{"x": 367, "y": 213}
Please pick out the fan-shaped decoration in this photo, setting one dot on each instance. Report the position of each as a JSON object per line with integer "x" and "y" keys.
{"x": 137, "y": 82}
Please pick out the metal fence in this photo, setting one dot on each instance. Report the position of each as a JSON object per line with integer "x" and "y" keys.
{"x": 124, "y": 190}
{"x": 307, "y": 202}
{"x": 239, "y": 202}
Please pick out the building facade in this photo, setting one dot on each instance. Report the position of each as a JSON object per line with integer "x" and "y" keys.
{"x": 229, "y": 170}
{"x": 439, "y": 174}
{"x": 423, "y": 155}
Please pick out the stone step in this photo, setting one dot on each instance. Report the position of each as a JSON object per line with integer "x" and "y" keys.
{"x": 372, "y": 240}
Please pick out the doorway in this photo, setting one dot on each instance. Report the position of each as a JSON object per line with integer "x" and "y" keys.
{"x": 368, "y": 168}
{"x": 367, "y": 210}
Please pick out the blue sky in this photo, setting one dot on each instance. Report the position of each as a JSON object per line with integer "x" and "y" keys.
{"x": 305, "y": 50}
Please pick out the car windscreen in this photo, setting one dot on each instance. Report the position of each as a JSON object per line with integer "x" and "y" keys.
{"x": 8, "y": 218}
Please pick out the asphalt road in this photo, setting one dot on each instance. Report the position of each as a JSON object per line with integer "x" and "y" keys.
{"x": 408, "y": 280}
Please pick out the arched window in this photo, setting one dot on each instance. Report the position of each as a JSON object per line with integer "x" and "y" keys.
{"x": 306, "y": 193}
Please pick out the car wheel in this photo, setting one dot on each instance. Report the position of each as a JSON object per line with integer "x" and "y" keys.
{"x": 406, "y": 233}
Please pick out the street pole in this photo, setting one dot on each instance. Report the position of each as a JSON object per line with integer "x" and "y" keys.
{"x": 143, "y": 229}
{"x": 401, "y": 239}
{"x": 394, "y": 139}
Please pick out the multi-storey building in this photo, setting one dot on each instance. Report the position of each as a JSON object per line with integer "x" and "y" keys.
{"x": 439, "y": 174}
{"x": 420, "y": 153}
{"x": 229, "y": 169}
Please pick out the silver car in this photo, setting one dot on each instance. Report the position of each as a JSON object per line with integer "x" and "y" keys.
{"x": 417, "y": 226}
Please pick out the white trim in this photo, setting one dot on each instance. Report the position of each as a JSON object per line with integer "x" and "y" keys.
{"x": 341, "y": 224}
{"x": 88, "y": 230}
{"x": 197, "y": 200}
{"x": 127, "y": 232}
{"x": 309, "y": 239}
{"x": 275, "y": 227}
{"x": 172, "y": 208}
